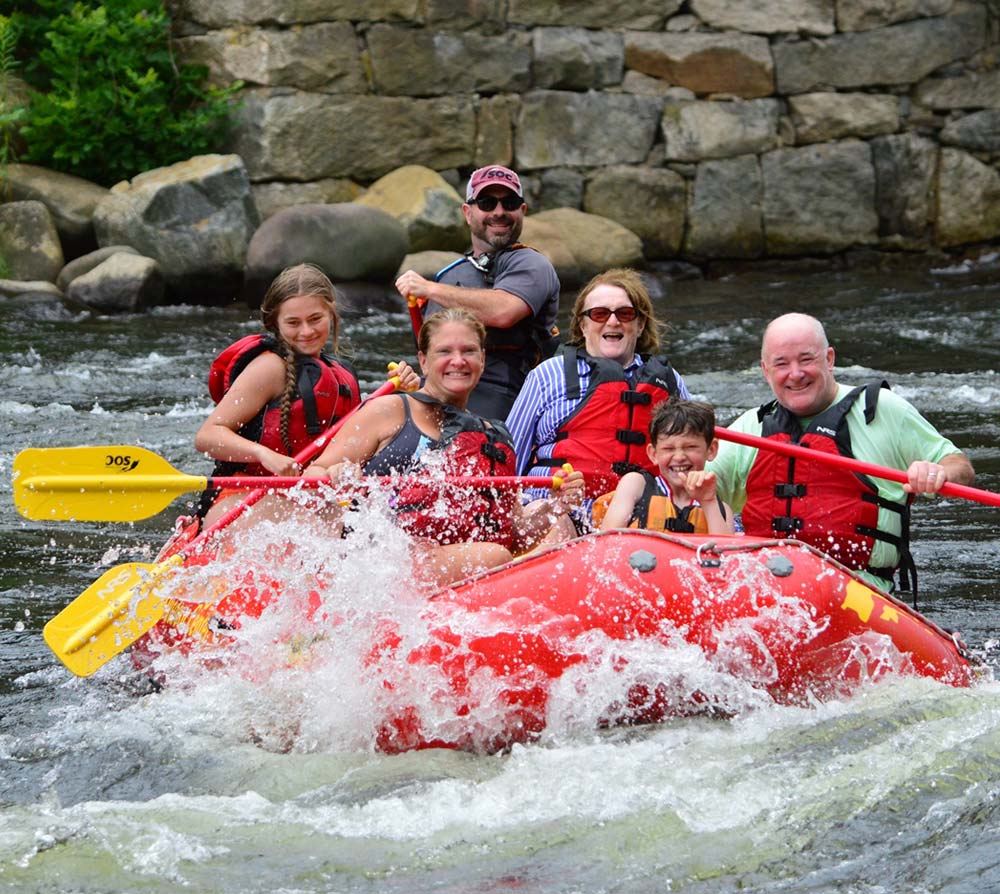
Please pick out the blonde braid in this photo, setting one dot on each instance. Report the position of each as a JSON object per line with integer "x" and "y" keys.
{"x": 287, "y": 398}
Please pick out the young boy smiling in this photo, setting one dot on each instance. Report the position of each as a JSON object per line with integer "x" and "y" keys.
{"x": 682, "y": 497}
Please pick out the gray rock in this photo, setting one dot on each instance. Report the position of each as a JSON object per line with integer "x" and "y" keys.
{"x": 651, "y": 202}
{"x": 324, "y": 57}
{"x": 427, "y": 263}
{"x": 289, "y": 135}
{"x": 195, "y": 218}
{"x": 559, "y": 188}
{"x": 580, "y": 245}
{"x": 649, "y": 14}
{"x": 905, "y": 167}
{"x": 123, "y": 283}
{"x": 348, "y": 241}
{"x": 768, "y": 16}
{"x": 222, "y": 13}
{"x": 408, "y": 62}
{"x": 425, "y": 204}
{"x": 88, "y": 262}
{"x": 494, "y": 138}
{"x": 274, "y": 197}
{"x": 978, "y": 132}
{"x": 970, "y": 90}
{"x": 899, "y": 54}
{"x": 71, "y": 201}
{"x": 726, "y": 216}
{"x": 576, "y": 58}
{"x": 968, "y": 200}
{"x": 693, "y": 131}
{"x": 819, "y": 198}
{"x": 559, "y": 128}
{"x": 29, "y": 241}
{"x": 863, "y": 15}
{"x": 37, "y": 288}
{"x": 824, "y": 117}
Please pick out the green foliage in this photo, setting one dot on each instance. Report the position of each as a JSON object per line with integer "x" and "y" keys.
{"x": 11, "y": 112}
{"x": 111, "y": 100}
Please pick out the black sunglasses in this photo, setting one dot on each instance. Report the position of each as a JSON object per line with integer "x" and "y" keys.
{"x": 624, "y": 314}
{"x": 488, "y": 203}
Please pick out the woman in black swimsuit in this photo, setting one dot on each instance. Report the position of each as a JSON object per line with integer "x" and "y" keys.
{"x": 406, "y": 433}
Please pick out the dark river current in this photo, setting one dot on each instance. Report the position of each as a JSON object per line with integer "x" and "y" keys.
{"x": 108, "y": 788}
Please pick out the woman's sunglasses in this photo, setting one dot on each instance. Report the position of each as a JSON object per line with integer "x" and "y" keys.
{"x": 602, "y": 314}
{"x": 488, "y": 203}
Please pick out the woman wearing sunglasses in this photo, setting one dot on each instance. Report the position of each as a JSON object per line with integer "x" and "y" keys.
{"x": 591, "y": 404}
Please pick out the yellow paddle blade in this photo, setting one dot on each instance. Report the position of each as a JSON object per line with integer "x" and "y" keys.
{"x": 110, "y": 615}
{"x": 96, "y": 483}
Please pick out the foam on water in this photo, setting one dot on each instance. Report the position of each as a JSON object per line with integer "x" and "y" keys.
{"x": 351, "y": 657}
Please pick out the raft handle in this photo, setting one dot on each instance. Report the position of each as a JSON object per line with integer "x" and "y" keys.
{"x": 714, "y": 562}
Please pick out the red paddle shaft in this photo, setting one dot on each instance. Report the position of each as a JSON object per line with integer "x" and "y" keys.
{"x": 307, "y": 453}
{"x": 279, "y": 482}
{"x": 949, "y": 489}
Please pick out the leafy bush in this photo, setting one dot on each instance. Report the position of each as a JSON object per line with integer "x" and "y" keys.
{"x": 11, "y": 112}
{"x": 110, "y": 99}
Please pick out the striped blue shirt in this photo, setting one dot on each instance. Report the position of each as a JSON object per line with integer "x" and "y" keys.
{"x": 542, "y": 406}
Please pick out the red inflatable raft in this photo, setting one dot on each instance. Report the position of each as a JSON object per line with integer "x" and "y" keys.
{"x": 777, "y": 615}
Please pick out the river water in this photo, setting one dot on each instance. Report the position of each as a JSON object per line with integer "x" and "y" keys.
{"x": 107, "y": 788}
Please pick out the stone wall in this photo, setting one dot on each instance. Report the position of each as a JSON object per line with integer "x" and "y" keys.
{"x": 713, "y": 129}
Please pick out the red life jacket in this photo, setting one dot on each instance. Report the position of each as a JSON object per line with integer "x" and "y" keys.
{"x": 326, "y": 389}
{"x": 611, "y": 404}
{"x": 458, "y": 513}
{"x": 829, "y": 508}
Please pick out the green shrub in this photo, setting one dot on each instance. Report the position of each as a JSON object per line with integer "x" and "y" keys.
{"x": 110, "y": 98}
{"x": 11, "y": 112}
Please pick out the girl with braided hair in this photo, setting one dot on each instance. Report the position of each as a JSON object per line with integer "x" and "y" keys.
{"x": 277, "y": 392}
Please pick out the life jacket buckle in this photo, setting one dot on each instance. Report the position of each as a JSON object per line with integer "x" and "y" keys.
{"x": 636, "y": 398}
{"x": 787, "y": 524}
{"x": 788, "y": 490}
{"x": 625, "y": 436}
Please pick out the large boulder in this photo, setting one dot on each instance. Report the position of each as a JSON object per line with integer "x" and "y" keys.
{"x": 428, "y": 263}
{"x": 29, "y": 241}
{"x": 195, "y": 218}
{"x": 580, "y": 245}
{"x": 124, "y": 283}
{"x": 423, "y": 202}
{"x": 350, "y": 242}
{"x": 71, "y": 202}
{"x": 278, "y": 195}
{"x": 86, "y": 263}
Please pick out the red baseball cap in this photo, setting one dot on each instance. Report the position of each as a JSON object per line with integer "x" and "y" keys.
{"x": 493, "y": 175}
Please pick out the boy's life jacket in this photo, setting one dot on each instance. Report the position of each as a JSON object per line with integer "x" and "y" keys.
{"x": 830, "y": 508}
{"x": 655, "y": 511}
{"x": 606, "y": 435}
{"x": 468, "y": 446}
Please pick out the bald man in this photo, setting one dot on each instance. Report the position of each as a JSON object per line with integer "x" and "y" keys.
{"x": 862, "y": 522}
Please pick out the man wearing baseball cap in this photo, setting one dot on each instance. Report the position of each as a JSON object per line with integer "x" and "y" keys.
{"x": 512, "y": 288}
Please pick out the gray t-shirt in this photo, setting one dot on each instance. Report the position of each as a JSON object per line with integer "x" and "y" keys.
{"x": 510, "y": 353}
